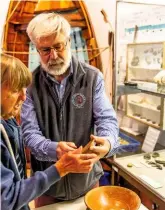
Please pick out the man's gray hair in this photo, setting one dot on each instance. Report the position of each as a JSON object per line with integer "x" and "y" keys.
{"x": 46, "y": 24}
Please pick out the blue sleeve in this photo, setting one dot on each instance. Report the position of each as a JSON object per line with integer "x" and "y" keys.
{"x": 105, "y": 116}
{"x": 16, "y": 194}
{"x": 43, "y": 149}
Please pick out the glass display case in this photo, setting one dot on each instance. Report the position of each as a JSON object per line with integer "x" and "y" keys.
{"x": 144, "y": 61}
{"x": 146, "y": 108}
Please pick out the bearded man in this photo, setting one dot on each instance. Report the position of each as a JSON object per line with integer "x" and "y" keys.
{"x": 66, "y": 99}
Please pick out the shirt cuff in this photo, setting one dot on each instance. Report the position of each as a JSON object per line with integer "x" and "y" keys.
{"x": 52, "y": 150}
{"x": 111, "y": 140}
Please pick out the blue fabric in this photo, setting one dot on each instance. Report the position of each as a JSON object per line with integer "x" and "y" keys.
{"x": 16, "y": 194}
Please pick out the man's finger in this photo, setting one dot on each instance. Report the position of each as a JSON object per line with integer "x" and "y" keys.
{"x": 77, "y": 151}
{"x": 71, "y": 144}
{"x": 87, "y": 156}
{"x": 98, "y": 140}
{"x": 97, "y": 149}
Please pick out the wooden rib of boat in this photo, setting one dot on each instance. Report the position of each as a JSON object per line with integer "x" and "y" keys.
{"x": 16, "y": 41}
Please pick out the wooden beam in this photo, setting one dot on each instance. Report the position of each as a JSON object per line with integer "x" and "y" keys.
{"x": 43, "y": 6}
{"x": 25, "y": 19}
{"x": 81, "y": 24}
{"x": 20, "y": 19}
{"x": 21, "y": 27}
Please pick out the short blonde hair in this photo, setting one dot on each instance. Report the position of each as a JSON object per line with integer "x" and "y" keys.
{"x": 46, "y": 24}
{"x": 14, "y": 72}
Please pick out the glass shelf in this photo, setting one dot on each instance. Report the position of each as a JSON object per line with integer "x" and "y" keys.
{"x": 154, "y": 90}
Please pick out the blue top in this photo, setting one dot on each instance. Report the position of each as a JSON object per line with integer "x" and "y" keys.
{"x": 15, "y": 193}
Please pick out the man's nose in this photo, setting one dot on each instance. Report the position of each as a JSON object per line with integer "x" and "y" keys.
{"x": 53, "y": 54}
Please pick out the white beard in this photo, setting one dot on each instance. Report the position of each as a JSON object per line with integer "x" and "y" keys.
{"x": 57, "y": 67}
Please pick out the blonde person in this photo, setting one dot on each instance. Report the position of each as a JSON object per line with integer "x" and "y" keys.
{"x": 16, "y": 189}
{"x": 66, "y": 99}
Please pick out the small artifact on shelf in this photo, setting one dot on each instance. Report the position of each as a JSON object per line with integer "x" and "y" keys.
{"x": 154, "y": 164}
{"x": 155, "y": 155}
{"x": 159, "y": 107}
{"x": 151, "y": 163}
{"x": 135, "y": 61}
{"x": 146, "y": 51}
{"x": 155, "y": 53}
{"x": 147, "y": 156}
{"x": 142, "y": 118}
{"x": 129, "y": 165}
{"x": 123, "y": 141}
{"x": 159, "y": 167}
{"x": 148, "y": 59}
{"x": 136, "y": 115}
{"x": 160, "y": 78}
{"x": 153, "y": 122}
{"x": 148, "y": 120}
{"x": 160, "y": 160}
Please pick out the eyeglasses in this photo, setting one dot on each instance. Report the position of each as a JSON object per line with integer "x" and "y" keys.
{"x": 58, "y": 48}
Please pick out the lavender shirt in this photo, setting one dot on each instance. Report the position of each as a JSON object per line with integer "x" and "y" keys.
{"x": 104, "y": 118}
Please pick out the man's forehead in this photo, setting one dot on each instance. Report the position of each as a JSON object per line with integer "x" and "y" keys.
{"x": 51, "y": 40}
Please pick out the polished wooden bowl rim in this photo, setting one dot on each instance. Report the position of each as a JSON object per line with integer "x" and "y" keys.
{"x": 115, "y": 187}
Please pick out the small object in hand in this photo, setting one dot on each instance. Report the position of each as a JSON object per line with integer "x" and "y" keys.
{"x": 147, "y": 156}
{"x": 86, "y": 149}
{"x": 155, "y": 155}
{"x": 129, "y": 165}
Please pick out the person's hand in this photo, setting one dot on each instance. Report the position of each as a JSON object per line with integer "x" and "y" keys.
{"x": 101, "y": 147}
{"x": 75, "y": 162}
{"x": 64, "y": 147}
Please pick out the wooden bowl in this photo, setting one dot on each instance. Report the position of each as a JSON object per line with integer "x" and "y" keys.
{"x": 112, "y": 198}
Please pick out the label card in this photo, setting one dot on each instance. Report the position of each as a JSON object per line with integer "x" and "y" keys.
{"x": 150, "y": 139}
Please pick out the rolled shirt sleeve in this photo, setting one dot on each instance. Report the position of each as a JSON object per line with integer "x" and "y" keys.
{"x": 42, "y": 148}
{"x": 105, "y": 116}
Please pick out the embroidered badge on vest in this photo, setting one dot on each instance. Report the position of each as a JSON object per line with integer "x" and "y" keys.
{"x": 78, "y": 100}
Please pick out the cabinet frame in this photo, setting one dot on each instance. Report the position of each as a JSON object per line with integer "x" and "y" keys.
{"x": 162, "y": 99}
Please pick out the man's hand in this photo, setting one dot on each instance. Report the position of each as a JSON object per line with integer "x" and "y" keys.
{"x": 75, "y": 162}
{"x": 64, "y": 147}
{"x": 102, "y": 146}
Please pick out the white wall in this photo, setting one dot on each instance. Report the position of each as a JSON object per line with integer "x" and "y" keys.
{"x": 158, "y": 2}
{"x": 94, "y": 8}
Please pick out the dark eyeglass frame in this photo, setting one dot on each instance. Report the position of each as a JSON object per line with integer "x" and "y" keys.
{"x": 47, "y": 50}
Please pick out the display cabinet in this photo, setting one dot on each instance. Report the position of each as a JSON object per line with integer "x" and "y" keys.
{"x": 144, "y": 61}
{"x": 148, "y": 109}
